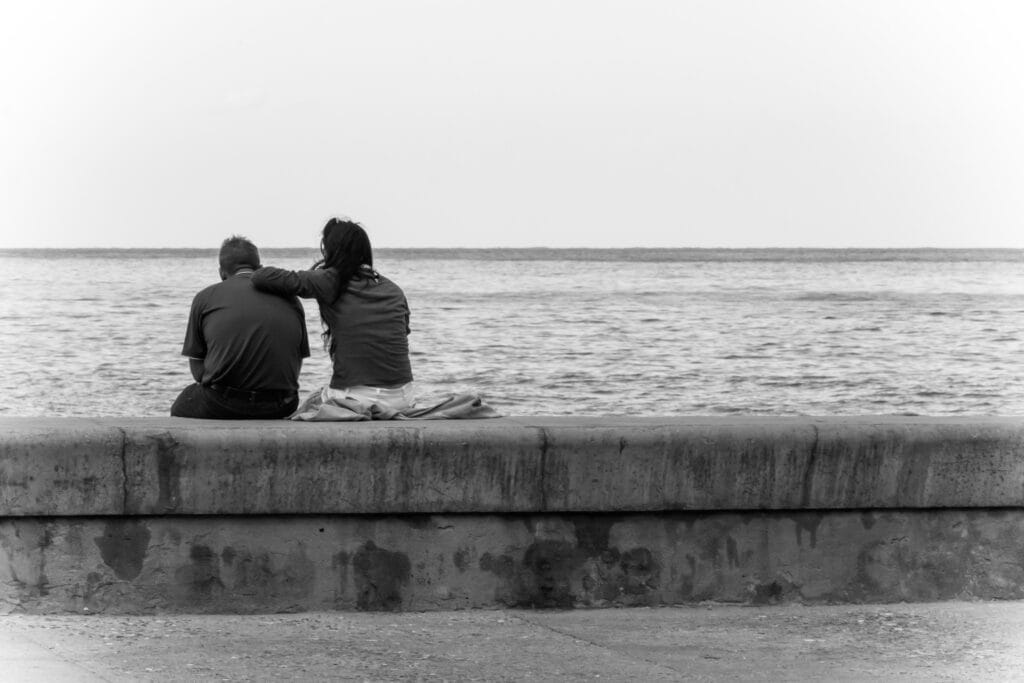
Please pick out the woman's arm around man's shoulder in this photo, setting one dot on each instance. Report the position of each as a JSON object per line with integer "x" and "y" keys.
{"x": 318, "y": 283}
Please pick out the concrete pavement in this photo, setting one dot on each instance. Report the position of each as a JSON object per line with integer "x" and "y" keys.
{"x": 921, "y": 641}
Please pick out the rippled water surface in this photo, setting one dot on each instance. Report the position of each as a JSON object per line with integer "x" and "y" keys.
{"x": 628, "y": 332}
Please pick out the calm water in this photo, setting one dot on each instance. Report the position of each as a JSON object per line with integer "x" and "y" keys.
{"x": 585, "y": 332}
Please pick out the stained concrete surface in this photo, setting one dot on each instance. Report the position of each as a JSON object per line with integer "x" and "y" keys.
{"x": 65, "y": 467}
{"x": 190, "y": 564}
{"x": 923, "y": 641}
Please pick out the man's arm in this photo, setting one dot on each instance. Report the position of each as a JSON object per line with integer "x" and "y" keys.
{"x": 196, "y": 366}
{"x": 195, "y": 344}
{"x": 300, "y": 313}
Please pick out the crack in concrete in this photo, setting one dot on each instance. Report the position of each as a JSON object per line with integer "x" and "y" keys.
{"x": 124, "y": 471}
{"x": 543, "y": 468}
{"x": 602, "y": 646}
{"x": 808, "y": 482}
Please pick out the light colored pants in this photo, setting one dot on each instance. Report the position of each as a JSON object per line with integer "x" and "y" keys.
{"x": 397, "y": 398}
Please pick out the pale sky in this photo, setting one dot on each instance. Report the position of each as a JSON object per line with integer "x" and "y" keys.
{"x": 759, "y": 123}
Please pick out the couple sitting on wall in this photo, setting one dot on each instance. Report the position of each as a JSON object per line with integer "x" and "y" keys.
{"x": 246, "y": 339}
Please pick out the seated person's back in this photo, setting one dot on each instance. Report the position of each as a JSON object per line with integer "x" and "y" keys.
{"x": 369, "y": 324}
{"x": 365, "y": 316}
{"x": 245, "y": 347}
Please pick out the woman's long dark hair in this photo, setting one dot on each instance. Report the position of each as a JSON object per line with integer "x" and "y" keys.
{"x": 345, "y": 247}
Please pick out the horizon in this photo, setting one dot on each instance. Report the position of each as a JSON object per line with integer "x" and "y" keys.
{"x": 315, "y": 249}
{"x": 531, "y": 248}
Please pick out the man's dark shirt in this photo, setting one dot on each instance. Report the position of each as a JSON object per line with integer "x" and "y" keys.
{"x": 247, "y": 339}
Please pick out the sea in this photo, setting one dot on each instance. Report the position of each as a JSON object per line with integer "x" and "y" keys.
{"x": 590, "y": 332}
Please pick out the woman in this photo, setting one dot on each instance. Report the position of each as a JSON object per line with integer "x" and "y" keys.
{"x": 365, "y": 317}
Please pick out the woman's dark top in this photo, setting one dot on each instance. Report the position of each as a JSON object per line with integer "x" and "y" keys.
{"x": 369, "y": 323}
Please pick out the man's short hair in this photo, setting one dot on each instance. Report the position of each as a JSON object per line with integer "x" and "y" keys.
{"x": 238, "y": 252}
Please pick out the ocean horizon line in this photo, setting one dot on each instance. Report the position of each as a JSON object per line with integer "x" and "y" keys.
{"x": 530, "y": 248}
{"x": 654, "y": 254}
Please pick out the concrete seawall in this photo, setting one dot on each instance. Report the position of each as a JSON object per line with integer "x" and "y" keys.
{"x": 136, "y": 515}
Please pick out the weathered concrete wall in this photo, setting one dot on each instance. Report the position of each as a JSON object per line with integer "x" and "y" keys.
{"x": 163, "y": 514}
{"x": 60, "y": 467}
{"x": 281, "y": 467}
{"x": 422, "y": 562}
{"x": 169, "y": 466}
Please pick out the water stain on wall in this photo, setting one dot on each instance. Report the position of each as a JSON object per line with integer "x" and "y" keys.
{"x": 461, "y": 559}
{"x": 809, "y": 522}
{"x": 548, "y": 579}
{"x": 201, "y": 577}
{"x": 168, "y": 471}
{"x": 260, "y": 574}
{"x": 501, "y": 565}
{"x": 379, "y": 577}
{"x": 123, "y": 547}
{"x": 339, "y": 564}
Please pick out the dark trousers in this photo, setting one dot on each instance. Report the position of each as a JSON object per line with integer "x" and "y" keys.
{"x": 203, "y": 402}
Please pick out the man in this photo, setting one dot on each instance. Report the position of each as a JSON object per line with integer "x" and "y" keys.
{"x": 245, "y": 347}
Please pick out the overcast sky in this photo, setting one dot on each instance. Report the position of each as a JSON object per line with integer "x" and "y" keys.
{"x": 583, "y": 123}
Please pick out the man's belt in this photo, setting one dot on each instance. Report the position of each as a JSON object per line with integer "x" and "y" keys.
{"x": 265, "y": 396}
